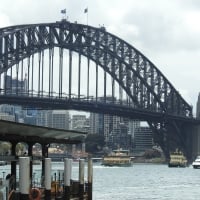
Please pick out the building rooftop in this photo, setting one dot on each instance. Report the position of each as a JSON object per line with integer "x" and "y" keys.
{"x": 18, "y": 132}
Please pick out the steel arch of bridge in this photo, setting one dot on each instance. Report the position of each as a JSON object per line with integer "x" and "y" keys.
{"x": 150, "y": 95}
{"x": 146, "y": 86}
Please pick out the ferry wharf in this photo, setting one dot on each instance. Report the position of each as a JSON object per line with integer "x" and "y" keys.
{"x": 56, "y": 186}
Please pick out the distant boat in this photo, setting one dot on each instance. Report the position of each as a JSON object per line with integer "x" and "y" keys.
{"x": 196, "y": 163}
{"x": 3, "y": 163}
{"x": 119, "y": 158}
{"x": 177, "y": 159}
{"x": 97, "y": 159}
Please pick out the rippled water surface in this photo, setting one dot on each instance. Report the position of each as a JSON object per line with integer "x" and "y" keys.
{"x": 141, "y": 181}
{"x": 146, "y": 181}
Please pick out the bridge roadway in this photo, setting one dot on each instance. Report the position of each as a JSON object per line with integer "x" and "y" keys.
{"x": 112, "y": 107}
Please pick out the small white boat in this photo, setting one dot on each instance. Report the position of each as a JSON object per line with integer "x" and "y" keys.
{"x": 196, "y": 163}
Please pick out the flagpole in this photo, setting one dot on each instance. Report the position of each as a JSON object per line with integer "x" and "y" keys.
{"x": 63, "y": 12}
{"x": 87, "y": 18}
{"x": 86, "y": 12}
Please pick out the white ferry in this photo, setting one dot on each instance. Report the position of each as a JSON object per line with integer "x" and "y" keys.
{"x": 118, "y": 157}
{"x": 196, "y": 163}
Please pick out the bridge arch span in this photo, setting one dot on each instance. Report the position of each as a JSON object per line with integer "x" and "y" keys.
{"x": 143, "y": 82}
{"x": 150, "y": 96}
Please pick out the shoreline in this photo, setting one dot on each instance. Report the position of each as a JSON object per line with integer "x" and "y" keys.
{"x": 151, "y": 160}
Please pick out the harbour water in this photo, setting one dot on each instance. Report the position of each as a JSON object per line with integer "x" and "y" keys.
{"x": 145, "y": 182}
{"x": 141, "y": 181}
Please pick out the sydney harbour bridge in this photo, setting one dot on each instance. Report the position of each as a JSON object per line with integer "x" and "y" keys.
{"x": 72, "y": 66}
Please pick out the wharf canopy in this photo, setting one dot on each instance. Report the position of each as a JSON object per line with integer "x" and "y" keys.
{"x": 19, "y": 132}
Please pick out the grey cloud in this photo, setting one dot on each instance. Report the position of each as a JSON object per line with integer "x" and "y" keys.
{"x": 162, "y": 31}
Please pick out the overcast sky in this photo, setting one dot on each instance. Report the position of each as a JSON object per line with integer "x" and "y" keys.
{"x": 166, "y": 31}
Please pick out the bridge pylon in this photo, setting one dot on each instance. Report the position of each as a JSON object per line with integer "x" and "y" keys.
{"x": 174, "y": 135}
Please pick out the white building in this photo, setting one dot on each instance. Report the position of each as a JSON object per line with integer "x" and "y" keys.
{"x": 80, "y": 123}
{"x": 59, "y": 119}
{"x": 7, "y": 117}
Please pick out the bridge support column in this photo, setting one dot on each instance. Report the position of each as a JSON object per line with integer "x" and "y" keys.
{"x": 190, "y": 137}
{"x": 174, "y": 135}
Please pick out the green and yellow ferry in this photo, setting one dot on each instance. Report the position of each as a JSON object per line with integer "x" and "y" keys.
{"x": 177, "y": 159}
{"x": 119, "y": 158}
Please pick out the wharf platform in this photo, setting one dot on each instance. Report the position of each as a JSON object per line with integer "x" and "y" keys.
{"x": 54, "y": 186}
{"x": 11, "y": 189}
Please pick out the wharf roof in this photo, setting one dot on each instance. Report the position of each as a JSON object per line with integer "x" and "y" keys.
{"x": 19, "y": 132}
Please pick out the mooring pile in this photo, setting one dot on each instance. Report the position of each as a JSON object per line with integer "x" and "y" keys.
{"x": 62, "y": 188}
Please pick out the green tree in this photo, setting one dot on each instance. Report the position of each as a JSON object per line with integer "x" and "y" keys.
{"x": 151, "y": 153}
{"x": 20, "y": 148}
{"x": 4, "y": 147}
{"x": 94, "y": 143}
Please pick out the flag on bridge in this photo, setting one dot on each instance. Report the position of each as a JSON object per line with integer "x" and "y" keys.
{"x": 63, "y": 11}
{"x": 85, "y": 10}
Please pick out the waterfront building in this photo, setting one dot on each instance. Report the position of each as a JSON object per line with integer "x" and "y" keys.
{"x": 7, "y": 117}
{"x": 119, "y": 137}
{"x": 96, "y": 123}
{"x": 30, "y": 120}
{"x": 30, "y": 116}
{"x": 110, "y": 127}
{"x": 143, "y": 139}
{"x": 117, "y": 131}
{"x": 58, "y": 119}
{"x": 132, "y": 125}
{"x": 80, "y": 123}
{"x": 13, "y": 112}
{"x": 42, "y": 118}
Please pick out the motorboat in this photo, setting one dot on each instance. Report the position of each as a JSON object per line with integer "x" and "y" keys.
{"x": 119, "y": 158}
{"x": 196, "y": 163}
{"x": 177, "y": 159}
